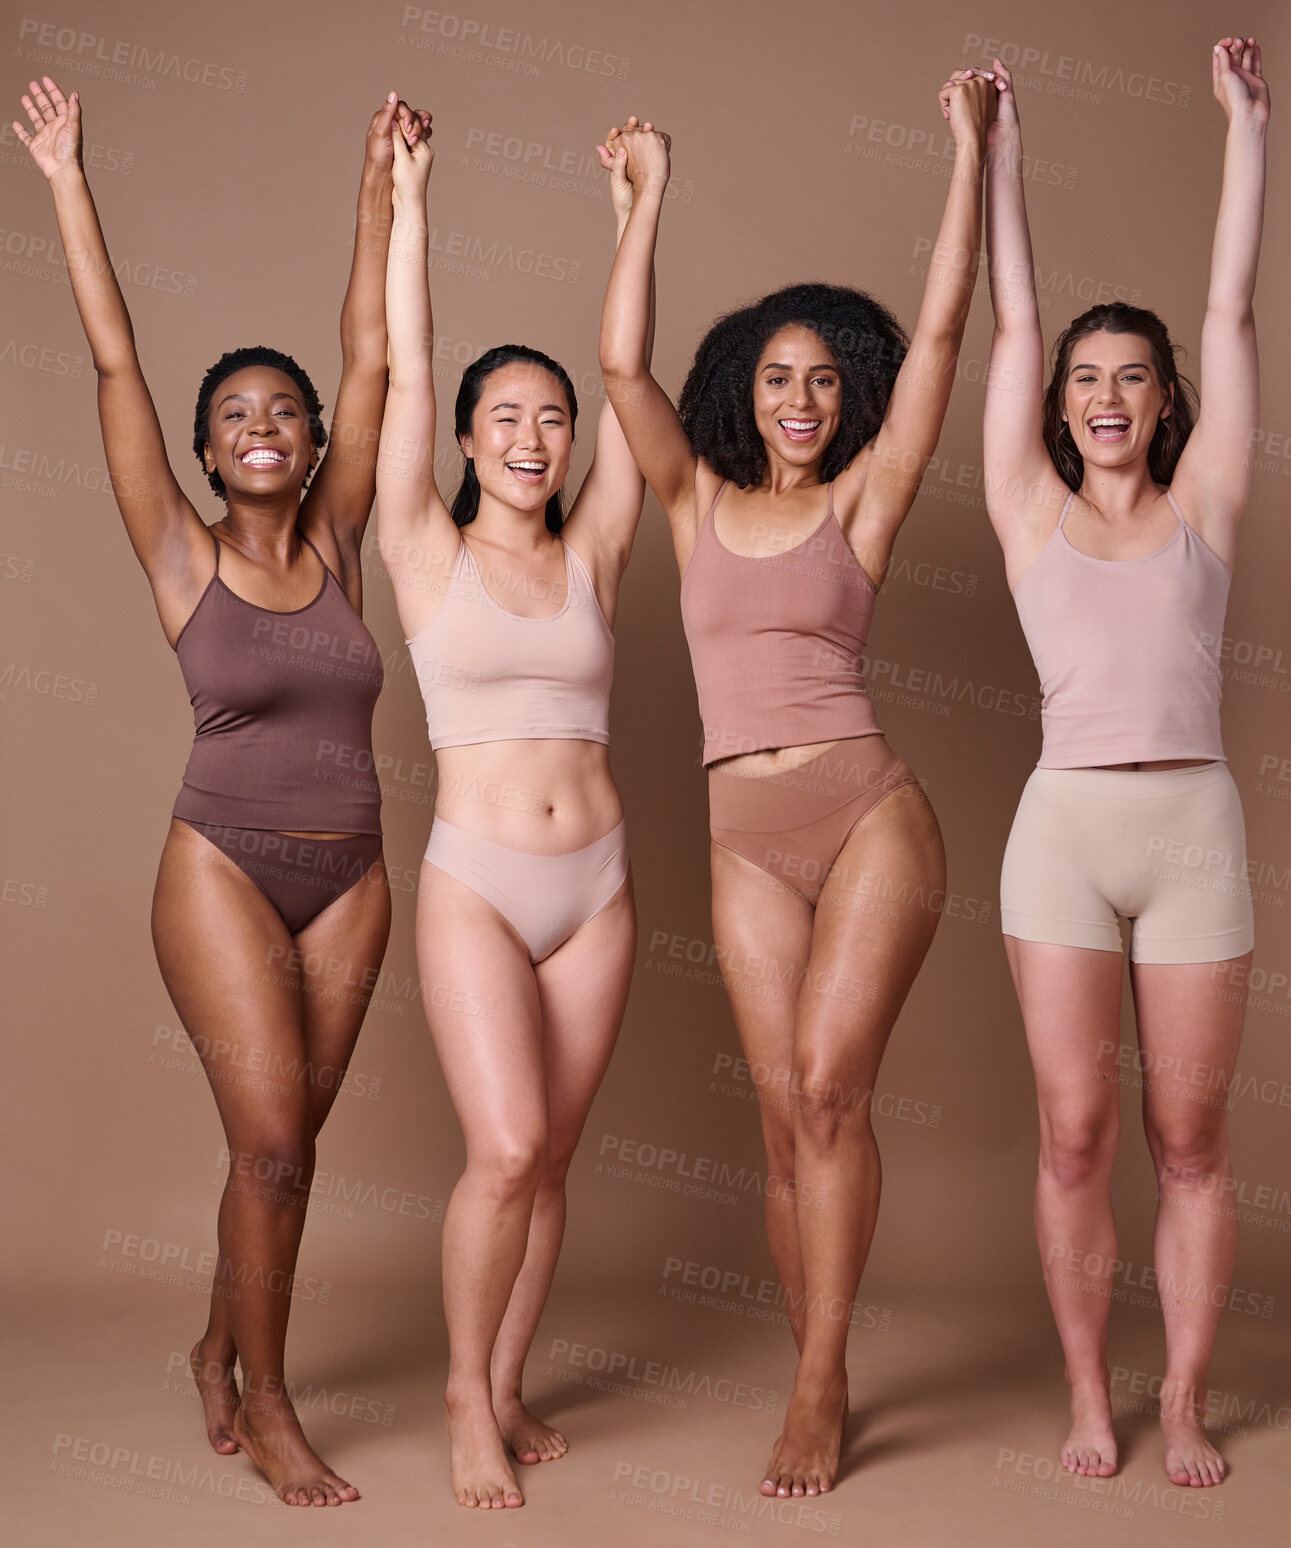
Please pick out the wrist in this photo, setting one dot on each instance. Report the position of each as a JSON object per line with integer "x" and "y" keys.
{"x": 70, "y": 175}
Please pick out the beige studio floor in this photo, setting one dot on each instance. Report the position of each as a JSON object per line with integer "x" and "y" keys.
{"x": 957, "y": 1414}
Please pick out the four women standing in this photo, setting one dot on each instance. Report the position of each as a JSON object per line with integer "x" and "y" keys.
{"x": 1117, "y": 517}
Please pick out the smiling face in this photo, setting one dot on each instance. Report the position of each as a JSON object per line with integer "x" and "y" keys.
{"x": 1113, "y": 398}
{"x": 797, "y": 396}
{"x": 521, "y": 436}
{"x": 258, "y": 436}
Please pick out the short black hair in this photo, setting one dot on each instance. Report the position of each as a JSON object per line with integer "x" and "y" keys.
{"x": 239, "y": 360}
{"x": 716, "y": 404}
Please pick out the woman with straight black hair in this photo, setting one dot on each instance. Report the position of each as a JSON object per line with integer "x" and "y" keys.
{"x": 526, "y": 927}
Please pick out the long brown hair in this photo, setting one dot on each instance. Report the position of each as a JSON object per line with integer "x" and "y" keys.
{"x": 1172, "y": 432}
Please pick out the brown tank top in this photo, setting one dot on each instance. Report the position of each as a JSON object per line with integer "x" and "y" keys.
{"x": 282, "y": 704}
{"x": 776, "y": 641}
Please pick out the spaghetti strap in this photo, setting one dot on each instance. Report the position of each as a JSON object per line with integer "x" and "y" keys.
{"x": 721, "y": 490}
{"x": 216, "y": 541}
{"x": 327, "y": 569}
{"x": 1071, "y": 495}
{"x": 830, "y": 511}
{"x": 1174, "y": 506}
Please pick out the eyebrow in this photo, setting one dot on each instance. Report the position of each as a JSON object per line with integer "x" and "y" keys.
{"x": 290, "y": 397}
{"x": 779, "y": 365}
{"x": 546, "y": 407}
{"x": 1134, "y": 365}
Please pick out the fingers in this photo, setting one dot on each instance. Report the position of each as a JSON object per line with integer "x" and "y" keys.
{"x": 22, "y": 134}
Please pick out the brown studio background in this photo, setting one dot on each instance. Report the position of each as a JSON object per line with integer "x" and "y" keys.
{"x": 806, "y": 144}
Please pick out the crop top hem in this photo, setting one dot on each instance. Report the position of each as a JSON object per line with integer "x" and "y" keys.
{"x": 511, "y": 734}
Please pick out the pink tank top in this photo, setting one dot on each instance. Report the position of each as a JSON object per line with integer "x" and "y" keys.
{"x": 488, "y": 675}
{"x": 1127, "y": 650}
{"x": 776, "y": 641}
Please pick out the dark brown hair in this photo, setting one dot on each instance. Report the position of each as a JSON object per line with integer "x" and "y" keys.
{"x": 1172, "y": 432}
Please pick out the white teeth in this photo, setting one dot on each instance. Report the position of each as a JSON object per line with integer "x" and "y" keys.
{"x": 529, "y": 467}
{"x": 264, "y": 458}
{"x": 800, "y": 424}
{"x": 1108, "y": 421}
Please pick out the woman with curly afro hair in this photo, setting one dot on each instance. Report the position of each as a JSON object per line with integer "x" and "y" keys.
{"x": 1116, "y": 503}
{"x": 260, "y": 926}
{"x": 804, "y": 429}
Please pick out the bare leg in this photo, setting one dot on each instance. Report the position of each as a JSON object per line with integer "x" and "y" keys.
{"x": 582, "y": 992}
{"x": 1071, "y": 1005}
{"x": 863, "y": 962}
{"x": 221, "y": 947}
{"x": 763, "y": 931}
{"x": 333, "y": 1005}
{"x": 1185, "y": 1026}
{"x": 481, "y": 1002}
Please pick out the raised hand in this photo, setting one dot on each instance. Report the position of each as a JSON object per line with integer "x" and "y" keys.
{"x": 1237, "y": 74}
{"x": 415, "y": 123}
{"x": 412, "y": 152}
{"x": 969, "y": 99}
{"x": 55, "y": 144}
{"x": 638, "y": 153}
{"x": 1006, "y": 124}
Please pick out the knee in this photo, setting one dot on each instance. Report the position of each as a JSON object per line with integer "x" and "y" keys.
{"x": 277, "y": 1165}
{"x": 511, "y": 1168}
{"x": 826, "y": 1106}
{"x": 1075, "y": 1153}
{"x": 1189, "y": 1153}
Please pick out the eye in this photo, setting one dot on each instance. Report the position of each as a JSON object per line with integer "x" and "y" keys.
{"x": 825, "y": 381}
{"x": 1133, "y": 377}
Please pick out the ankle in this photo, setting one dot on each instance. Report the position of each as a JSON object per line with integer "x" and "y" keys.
{"x": 464, "y": 1396}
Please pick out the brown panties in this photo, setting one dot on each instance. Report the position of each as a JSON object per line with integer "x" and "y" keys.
{"x": 299, "y": 876}
{"x": 793, "y": 824}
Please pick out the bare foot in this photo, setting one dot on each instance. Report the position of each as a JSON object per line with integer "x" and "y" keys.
{"x": 805, "y": 1457}
{"x": 477, "y": 1458}
{"x": 219, "y": 1394}
{"x": 275, "y": 1442}
{"x": 1190, "y": 1459}
{"x": 528, "y": 1438}
{"x": 1090, "y": 1449}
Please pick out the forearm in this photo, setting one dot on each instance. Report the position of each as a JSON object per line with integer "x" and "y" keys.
{"x": 363, "y": 313}
{"x": 627, "y": 320}
{"x": 94, "y": 286}
{"x": 952, "y": 269}
{"x": 1240, "y": 222}
{"x": 1008, "y": 241}
{"x": 407, "y": 295}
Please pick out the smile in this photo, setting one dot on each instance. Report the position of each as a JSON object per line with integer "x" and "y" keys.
{"x": 799, "y": 429}
{"x": 527, "y": 472}
{"x": 262, "y": 457}
{"x": 1109, "y": 427}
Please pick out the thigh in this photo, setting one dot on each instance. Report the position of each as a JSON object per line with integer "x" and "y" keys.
{"x": 481, "y": 1001}
{"x": 875, "y": 919}
{"x": 216, "y": 937}
{"x": 762, "y": 930}
{"x": 1190, "y": 1029}
{"x": 338, "y": 956}
{"x": 582, "y": 994}
{"x": 1070, "y": 998}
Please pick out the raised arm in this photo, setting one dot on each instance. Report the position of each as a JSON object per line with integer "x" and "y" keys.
{"x": 650, "y": 422}
{"x": 415, "y": 531}
{"x": 1212, "y": 481}
{"x": 339, "y": 500}
{"x": 166, "y": 532}
{"x": 608, "y": 508}
{"x": 1024, "y": 493}
{"x": 879, "y": 486}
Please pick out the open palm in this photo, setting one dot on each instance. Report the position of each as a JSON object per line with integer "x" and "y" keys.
{"x": 55, "y": 142}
